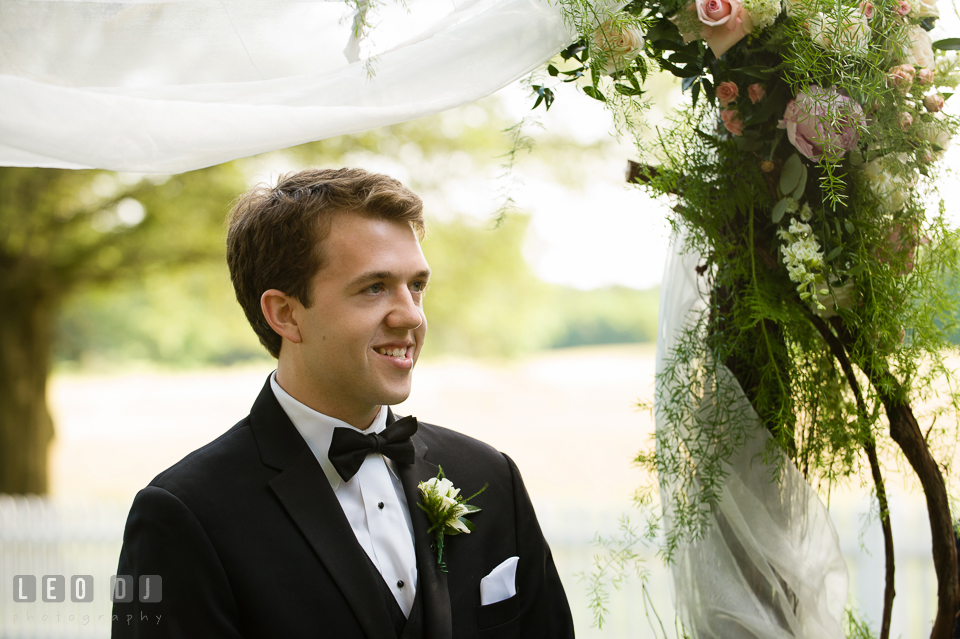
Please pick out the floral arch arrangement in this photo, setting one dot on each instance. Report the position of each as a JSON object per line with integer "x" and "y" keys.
{"x": 800, "y": 173}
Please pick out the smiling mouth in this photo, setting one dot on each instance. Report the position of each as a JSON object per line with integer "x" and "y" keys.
{"x": 400, "y": 353}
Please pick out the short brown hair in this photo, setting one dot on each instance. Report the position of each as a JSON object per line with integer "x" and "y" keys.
{"x": 275, "y": 234}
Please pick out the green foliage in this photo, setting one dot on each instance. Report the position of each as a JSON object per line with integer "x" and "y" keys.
{"x": 614, "y": 315}
{"x": 854, "y": 627}
{"x": 616, "y": 559}
{"x": 182, "y": 317}
{"x": 828, "y": 289}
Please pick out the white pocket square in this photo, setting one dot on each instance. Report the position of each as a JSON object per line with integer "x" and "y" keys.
{"x": 500, "y": 584}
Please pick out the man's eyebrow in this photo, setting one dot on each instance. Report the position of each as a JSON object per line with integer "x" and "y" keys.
{"x": 385, "y": 275}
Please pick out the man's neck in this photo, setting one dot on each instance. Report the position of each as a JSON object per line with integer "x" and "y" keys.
{"x": 298, "y": 388}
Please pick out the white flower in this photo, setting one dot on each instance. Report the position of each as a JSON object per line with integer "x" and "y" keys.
{"x": 936, "y": 133}
{"x": 458, "y": 525}
{"x": 924, "y": 9}
{"x": 621, "y": 45}
{"x": 848, "y": 33}
{"x": 802, "y": 256}
{"x": 762, "y": 12}
{"x": 918, "y": 50}
{"x": 890, "y": 180}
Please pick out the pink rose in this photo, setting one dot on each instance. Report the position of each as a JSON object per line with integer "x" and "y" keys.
{"x": 902, "y": 241}
{"x": 933, "y": 103}
{"x": 756, "y": 92}
{"x": 906, "y": 120}
{"x": 901, "y": 76}
{"x": 727, "y": 92}
{"x": 714, "y": 13}
{"x": 731, "y": 120}
{"x": 719, "y": 38}
{"x": 925, "y": 76}
{"x": 867, "y": 10}
{"x": 904, "y": 8}
{"x": 822, "y": 122}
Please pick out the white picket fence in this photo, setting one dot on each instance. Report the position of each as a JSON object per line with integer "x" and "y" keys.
{"x": 45, "y": 537}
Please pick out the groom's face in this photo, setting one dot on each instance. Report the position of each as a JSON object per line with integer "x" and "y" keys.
{"x": 364, "y": 331}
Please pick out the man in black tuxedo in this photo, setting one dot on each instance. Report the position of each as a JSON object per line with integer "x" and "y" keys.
{"x": 302, "y": 519}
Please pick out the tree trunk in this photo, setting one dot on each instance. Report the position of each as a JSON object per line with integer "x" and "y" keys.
{"x": 26, "y": 429}
{"x": 905, "y": 431}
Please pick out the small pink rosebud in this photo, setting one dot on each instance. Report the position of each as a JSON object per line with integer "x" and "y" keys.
{"x": 732, "y": 122}
{"x": 756, "y": 92}
{"x": 906, "y": 120}
{"x": 933, "y": 103}
{"x": 925, "y": 76}
{"x": 902, "y": 76}
{"x": 867, "y": 10}
{"x": 903, "y": 8}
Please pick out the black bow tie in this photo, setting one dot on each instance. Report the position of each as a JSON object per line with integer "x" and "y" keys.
{"x": 348, "y": 448}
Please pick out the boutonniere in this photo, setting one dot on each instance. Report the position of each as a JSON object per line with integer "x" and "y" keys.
{"x": 447, "y": 510}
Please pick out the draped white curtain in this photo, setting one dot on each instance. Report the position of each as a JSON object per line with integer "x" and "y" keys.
{"x": 769, "y": 566}
{"x": 170, "y": 85}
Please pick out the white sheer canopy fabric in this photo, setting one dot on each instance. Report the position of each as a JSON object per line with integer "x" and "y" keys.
{"x": 770, "y": 565}
{"x": 170, "y": 85}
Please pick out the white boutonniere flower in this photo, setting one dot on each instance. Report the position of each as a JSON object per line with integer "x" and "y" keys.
{"x": 446, "y": 510}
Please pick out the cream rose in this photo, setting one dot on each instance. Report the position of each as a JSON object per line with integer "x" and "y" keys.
{"x": 890, "y": 180}
{"x": 918, "y": 50}
{"x": 620, "y": 44}
{"x": 847, "y": 34}
{"x": 924, "y": 9}
{"x": 935, "y": 133}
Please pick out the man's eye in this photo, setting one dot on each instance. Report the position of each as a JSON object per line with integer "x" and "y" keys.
{"x": 375, "y": 288}
{"x": 419, "y": 287}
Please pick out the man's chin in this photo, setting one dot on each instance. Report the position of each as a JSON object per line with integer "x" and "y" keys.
{"x": 394, "y": 396}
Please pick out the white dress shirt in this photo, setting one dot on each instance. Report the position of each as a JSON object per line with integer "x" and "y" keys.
{"x": 372, "y": 500}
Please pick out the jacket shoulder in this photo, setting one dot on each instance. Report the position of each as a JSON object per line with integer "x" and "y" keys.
{"x": 452, "y": 449}
{"x": 210, "y": 464}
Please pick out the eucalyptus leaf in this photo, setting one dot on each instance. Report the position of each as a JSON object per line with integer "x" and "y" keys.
{"x": 791, "y": 174}
{"x": 798, "y": 192}
{"x": 682, "y": 57}
{"x": 947, "y": 44}
{"x": 593, "y": 93}
{"x": 832, "y": 255}
{"x": 666, "y": 45}
{"x": 756, "y": 72}
{"x": 857, "y": 270}
{"x": 849, "y": 226}
{"x": 779, "y": 210}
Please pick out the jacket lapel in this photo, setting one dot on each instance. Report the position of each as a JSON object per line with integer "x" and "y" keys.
{"x": 305, "y": 493}
{"x": 431, "y": 581}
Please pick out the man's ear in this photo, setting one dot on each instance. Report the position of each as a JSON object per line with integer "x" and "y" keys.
{"x": 278, "y": 309}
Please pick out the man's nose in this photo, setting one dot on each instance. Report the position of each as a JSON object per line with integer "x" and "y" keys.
{"x": 406, "y": 313}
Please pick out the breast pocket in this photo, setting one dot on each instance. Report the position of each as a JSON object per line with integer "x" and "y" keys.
{"x": 501, "y": 619}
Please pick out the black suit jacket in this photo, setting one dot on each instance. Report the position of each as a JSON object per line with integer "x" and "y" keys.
{"x": 250, "y": 541}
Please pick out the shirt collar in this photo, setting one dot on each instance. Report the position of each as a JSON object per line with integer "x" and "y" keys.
{"x": 317, "y": 428}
